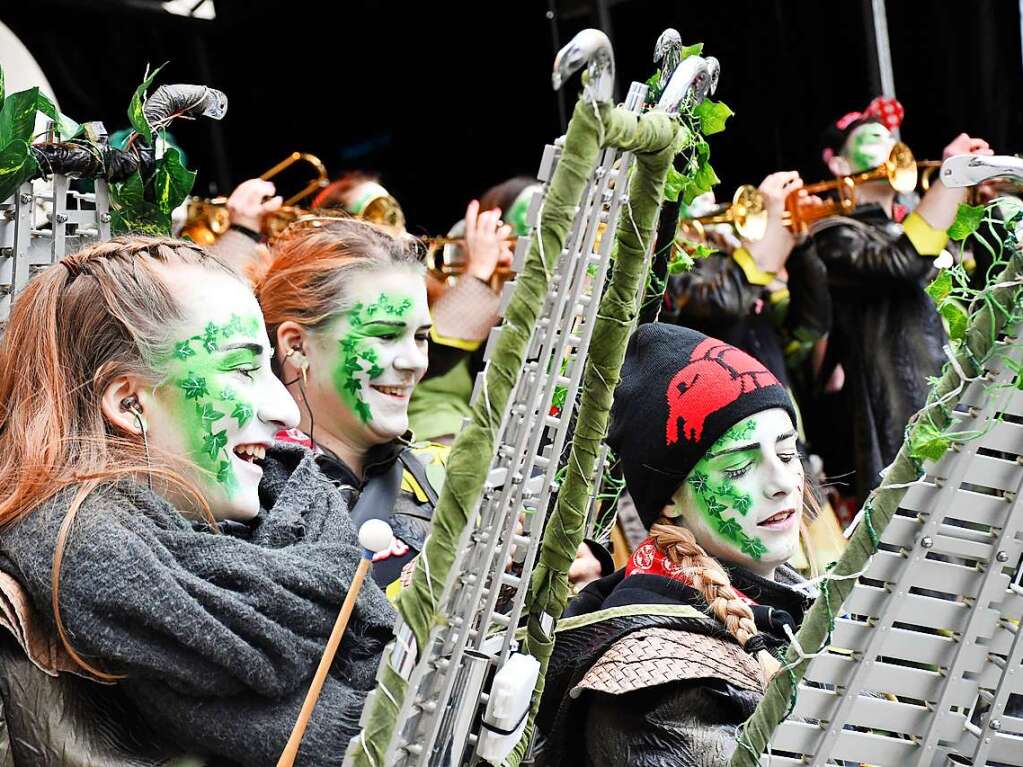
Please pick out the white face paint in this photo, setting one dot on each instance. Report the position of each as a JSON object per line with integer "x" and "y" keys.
{"x": 364, "y": 365}
{"x": 744, "y": 500}
{"x": 219, "y": 402}
{"x": 868, "y": 147}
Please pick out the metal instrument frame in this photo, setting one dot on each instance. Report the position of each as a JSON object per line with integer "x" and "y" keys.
{"x": 76, "y": 219}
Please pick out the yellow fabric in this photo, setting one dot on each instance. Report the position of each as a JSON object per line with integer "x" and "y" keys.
{"x": 754, "y": 273}
{"x": 393, "y": 591}
{"x": 457, "y": 343}
{"x": 434, "y": 457}
{"x": 927, "y": 240}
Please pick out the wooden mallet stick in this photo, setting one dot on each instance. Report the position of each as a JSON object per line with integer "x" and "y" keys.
{"x": 374, "y": 535}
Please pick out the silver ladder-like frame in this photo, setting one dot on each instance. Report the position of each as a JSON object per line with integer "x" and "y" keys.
{"x": 923, "y": 663}
{"x": 446, "y": 692}
{"x": 75, "y": 218}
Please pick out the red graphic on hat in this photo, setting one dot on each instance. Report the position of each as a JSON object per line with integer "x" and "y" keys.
{"x": 716, "y": 376}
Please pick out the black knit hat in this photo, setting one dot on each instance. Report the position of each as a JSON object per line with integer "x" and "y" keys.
{"x": 680, "y": 391}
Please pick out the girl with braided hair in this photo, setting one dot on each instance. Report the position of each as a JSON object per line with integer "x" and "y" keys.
{"x": 154, "y": 536}
{"x": 659, "y": 663}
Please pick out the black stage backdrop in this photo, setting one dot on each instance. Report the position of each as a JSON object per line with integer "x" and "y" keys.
{"x": 446, "y": 98}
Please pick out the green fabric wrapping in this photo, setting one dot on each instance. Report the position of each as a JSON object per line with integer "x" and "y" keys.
{"x": 469, "y": 461}
{"x": 655, "y": 138}
{"x": 984, "y": 326}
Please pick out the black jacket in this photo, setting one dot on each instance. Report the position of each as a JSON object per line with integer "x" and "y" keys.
{"x": 717, "y": 298}
{"x": 885, "y": 332}
{"x": 690, "y": 723}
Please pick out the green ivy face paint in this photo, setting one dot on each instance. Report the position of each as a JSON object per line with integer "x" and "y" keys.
{"x": 366, "y": 363}
{"x": 868, "y": 146}
{"x": 218, "y": 402}
{"x": 743, "y": 500}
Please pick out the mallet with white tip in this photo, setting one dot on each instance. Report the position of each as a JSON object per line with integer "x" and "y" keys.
{"x": 375, "y": 535}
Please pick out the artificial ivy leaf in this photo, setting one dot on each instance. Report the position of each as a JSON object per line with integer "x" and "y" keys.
{"x": 213, "y": 443}
{"x": 927, "y": 442}
{"x": 208, "y": 413}
{"x": 941, "y": 287}
{"x": 242, "y": 413}
{"x": 968, "y": 219}
{"x": 956, "y": 317}
{"x": 131, "y": 212}
{"x": 16, "y": 166}
{"x": 680, "y": 262}
{"x": 702, "y": 250}
{"x": 172, "y": 181}
{"x": 65, "y": 126}
{"x": 135, "y": 114}
{"x": 2, "y": 91}
{"x": 673, "y": 184}
{"x": 690, "y": 50}
{"x": 712, "y": 115}
{"x": 18, "y": 116}
{"x": 194, "y": 386}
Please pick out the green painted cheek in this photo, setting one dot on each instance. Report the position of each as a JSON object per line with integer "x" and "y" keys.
{"x": 356, "y": 355}
{"x": 206, "y": 406}
{"x": 861, "y": 157}
{"x": 715, "y": 499}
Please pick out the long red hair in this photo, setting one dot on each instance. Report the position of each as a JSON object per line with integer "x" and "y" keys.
{"x": 101, "y": 313}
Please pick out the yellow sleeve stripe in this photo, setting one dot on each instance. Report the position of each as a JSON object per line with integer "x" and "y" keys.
{"x": 457, "y": 343}
{"x": 754, "y": 273}
{"x": 927, "y": 240}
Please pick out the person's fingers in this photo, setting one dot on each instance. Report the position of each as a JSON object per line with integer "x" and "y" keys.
{"x": 471, "y": 216}
{"x": 504, "y": 232}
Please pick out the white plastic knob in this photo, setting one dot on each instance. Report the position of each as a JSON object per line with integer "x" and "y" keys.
{"x": 375, "y": 535}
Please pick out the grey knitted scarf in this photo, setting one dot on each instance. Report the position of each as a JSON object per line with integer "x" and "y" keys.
{"x": 217, "y": 633}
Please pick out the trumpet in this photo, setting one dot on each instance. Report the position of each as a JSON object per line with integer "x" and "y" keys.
{"x": 900, "y": 169}
{"x": 208, "y": 219}
{"x": 445, "y": 257}
{"x": 747, "y": 213}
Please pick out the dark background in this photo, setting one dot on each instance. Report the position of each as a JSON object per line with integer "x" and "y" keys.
{"x": 447, "y": 98}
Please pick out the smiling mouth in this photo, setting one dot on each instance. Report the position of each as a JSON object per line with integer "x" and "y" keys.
{"x": 251, "y": 453}
{"x": 778, "y": 520}
{"x": 397, "y": 392}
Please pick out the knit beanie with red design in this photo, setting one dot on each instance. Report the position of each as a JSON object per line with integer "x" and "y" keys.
{"x": 887, "y": 111}
{"x": 680, "y": 391}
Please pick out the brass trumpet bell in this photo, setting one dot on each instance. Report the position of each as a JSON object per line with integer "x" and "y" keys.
{"x": 746, "y": 213}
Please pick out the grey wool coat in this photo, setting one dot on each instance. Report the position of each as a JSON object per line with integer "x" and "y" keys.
{"x": 217, "y": 634}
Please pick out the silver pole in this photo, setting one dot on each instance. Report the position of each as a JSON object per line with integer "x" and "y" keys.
{"x": 884, "y": 51}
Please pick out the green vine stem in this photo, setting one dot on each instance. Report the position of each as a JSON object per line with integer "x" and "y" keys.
{"x": 991, "y": 317}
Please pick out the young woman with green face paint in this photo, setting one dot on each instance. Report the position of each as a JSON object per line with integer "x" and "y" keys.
{"x": 160, "y": 537}
{"x": 346, "y": 306}
{"x": 681, "y": 642}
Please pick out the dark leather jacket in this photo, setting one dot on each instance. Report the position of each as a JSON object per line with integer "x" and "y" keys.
{"x": 67, "y": 721}
{"x": 718, "y": 298}
{"x": 886, "y": 332}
